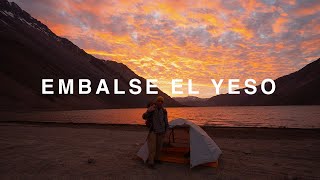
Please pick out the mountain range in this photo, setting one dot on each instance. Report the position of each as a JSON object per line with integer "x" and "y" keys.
{"x": 299, "y": 88}
{"x": 191, "y": 101}
{"x": 30, "y": 52}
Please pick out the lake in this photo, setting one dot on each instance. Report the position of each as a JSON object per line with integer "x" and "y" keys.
{"x": 236, "y": 116}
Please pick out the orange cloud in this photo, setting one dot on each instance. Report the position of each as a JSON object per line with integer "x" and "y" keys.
{"x": 278, "y": 26}
{"x": 190, "y": 39}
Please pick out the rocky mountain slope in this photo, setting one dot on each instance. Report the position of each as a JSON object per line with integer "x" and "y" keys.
{"x": 30, "y": 52}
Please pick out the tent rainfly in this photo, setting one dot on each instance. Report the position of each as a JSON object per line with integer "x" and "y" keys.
{"x": 199, "y": 148}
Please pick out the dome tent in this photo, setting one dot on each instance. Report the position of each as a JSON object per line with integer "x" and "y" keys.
{"x": 198, "y": 147}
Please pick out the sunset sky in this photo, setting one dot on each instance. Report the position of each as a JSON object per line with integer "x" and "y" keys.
{"x": 198, "y": 40}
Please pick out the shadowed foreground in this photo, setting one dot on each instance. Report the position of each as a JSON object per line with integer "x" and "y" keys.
{"x": 39, "y": 150}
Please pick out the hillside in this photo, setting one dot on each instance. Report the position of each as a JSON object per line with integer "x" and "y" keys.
{"x": 30, "y": 52}
{"x": 298, "y": 88}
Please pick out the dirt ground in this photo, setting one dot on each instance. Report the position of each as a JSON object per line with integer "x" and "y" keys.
{"x": 74, "y": 151}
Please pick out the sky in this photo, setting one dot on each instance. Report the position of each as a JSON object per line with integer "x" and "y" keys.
{"x": 190, "y": 39}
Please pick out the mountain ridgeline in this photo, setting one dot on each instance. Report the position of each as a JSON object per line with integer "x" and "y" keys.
{"x": 30, "y": 52}
{"x": 299, "y": 88}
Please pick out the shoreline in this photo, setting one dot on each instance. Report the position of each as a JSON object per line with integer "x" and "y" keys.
{"x": 213, "y": 131}
{"x": 55, "y": 109}
{"x": 101, "y": 125}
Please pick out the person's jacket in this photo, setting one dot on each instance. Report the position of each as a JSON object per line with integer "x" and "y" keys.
{"x": 157, "y": 125}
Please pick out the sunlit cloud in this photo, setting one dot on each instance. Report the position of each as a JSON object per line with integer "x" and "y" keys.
{"x": 197, "y": 40}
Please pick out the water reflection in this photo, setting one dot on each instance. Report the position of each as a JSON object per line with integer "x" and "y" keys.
{"x": 254, "y": 116}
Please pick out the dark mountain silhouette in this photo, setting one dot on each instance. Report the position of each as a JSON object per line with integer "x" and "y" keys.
{"x": 191, "y": 101}
{"x": 30, "y": 52}
{"x": 299, "y": 88}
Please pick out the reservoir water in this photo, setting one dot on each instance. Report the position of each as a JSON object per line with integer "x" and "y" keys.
{"x": 237, "y": 116}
